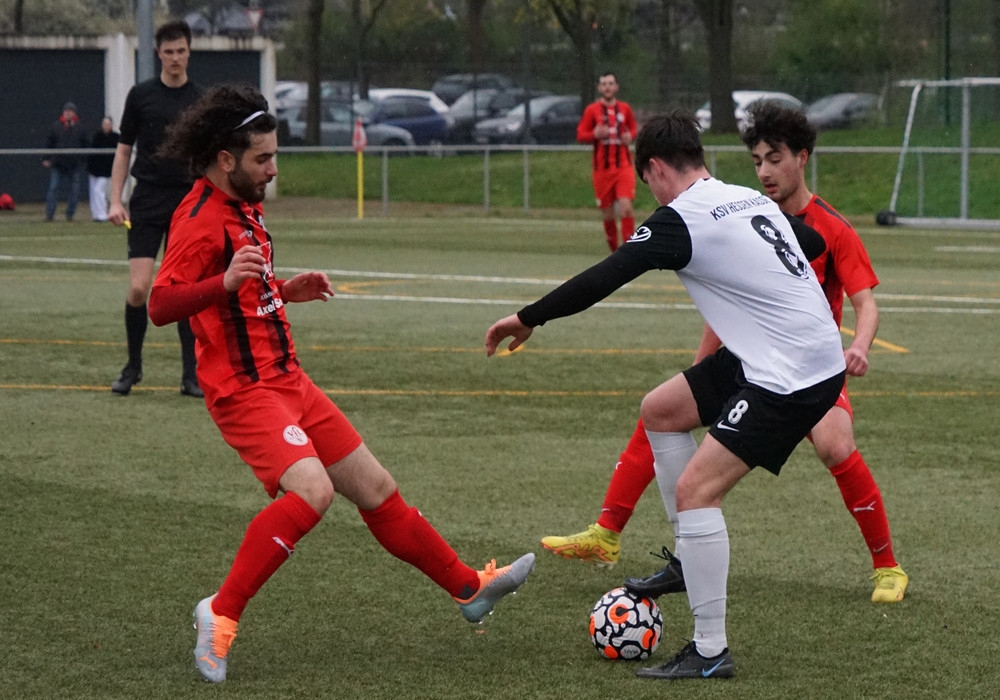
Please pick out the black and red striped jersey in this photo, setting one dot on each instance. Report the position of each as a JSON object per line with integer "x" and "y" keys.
{"x": 612, "y": 151}
{"x": 243, "y": 336}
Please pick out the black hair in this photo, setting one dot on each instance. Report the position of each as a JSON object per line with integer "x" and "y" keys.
{"x": 171, "y": 31}
{"x": 776, "y": 124}
{"x": 674, "y": 138}
{"x": 606, "y": 73}
{"x": 223, "y": 119}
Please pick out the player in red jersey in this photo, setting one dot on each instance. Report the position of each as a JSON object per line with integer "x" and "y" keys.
{"x": 780, "y": 140}
{"x": 219, "y": 271}
{"x": 610, "y": 125}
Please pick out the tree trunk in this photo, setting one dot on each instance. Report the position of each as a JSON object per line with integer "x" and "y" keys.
{"x": 314, "y": 11}
{"x": 476, "y": 35}
{"x": 577, "y": 19}
{"x": 717, "y": 16}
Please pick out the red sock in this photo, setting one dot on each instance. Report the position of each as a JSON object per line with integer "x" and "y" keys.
{"x": 628, "y": 227}
{"x": 864, "y": 501}
{"x": 269, "y": 541}
{"x": 406, "y": 535}
{"x": 632, "y": 475}
{"x": 611, "y": 234}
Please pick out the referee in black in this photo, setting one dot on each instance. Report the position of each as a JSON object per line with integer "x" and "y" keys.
{"x": 160, "y": 186}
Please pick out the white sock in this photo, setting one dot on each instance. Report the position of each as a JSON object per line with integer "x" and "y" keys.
{"x": 703, "y": 548}
{"x": 671, "y": 452}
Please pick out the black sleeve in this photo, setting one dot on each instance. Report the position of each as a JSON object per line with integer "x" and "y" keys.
{"x": 586, "y": 289}
{"x": 811, "y": 241}
{"x": 661, "y": 243}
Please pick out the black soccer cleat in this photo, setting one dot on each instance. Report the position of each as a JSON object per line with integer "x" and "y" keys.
{"x": 129, "y": 377}
{"x": 669, "y": 579}
{"x": 190, "y": 387}
{"x": 690, "y": 664}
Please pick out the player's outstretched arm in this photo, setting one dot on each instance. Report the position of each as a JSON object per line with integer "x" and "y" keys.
{"x": 307, "y": 286}
{"x": 510, "y": 326}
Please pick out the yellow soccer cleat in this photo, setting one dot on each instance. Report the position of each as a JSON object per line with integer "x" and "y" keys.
{"x": 890, "y": 584}
{"x": 596, "y": 544}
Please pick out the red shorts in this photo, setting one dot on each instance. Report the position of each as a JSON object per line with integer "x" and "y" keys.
{"x": 844, "y": 402}
{"x": 612, "y": 185}
{"x": 273, "y": 424}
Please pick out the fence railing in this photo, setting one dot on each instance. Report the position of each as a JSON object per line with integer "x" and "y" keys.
{"x": 918, "y": 154}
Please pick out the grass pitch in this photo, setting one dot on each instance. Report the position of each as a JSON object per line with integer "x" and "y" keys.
{"x": 122, "y": 513}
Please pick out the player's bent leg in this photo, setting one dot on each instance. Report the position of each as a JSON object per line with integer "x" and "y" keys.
{"x": 406, "y": 534}
{"x": 670, "y": 407}
{"x": 833, "y": 438}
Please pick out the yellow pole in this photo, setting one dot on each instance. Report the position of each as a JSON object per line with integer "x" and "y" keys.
{"x": 361, "y": 184}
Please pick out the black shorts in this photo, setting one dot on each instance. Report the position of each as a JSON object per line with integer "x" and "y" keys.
{"x": 150, "y": 210}
{"x": 759, "y": 426}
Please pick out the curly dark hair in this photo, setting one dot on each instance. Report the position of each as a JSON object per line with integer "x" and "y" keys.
{"x": 776, "y": 124}
{"x": 223, "y": 119}
{"x": 672, "y": 137}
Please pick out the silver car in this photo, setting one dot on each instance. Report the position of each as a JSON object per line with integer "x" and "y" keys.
{"x": 337, "y": 127}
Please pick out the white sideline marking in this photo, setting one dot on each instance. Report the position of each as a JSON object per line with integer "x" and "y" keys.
{"x": 541, "y": 281}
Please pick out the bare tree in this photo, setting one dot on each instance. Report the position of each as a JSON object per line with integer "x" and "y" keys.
{"x": 578, "y": 18}
{"x": 362, "y": 25}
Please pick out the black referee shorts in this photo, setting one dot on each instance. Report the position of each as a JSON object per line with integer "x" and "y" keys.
{"x": 759, "y": 426}
{"x": 150, "y": 211}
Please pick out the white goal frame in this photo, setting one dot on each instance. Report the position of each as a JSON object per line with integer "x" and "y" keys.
{"x": 888, "y": 217}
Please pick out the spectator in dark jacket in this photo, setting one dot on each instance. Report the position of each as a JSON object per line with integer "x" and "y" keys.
{"x": 99, "y": 169}
{"x": 66, "y": 133}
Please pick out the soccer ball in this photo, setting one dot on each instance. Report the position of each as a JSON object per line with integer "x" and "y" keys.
{"x": 623, "y": 626}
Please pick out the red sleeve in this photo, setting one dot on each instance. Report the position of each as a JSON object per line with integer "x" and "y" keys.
{"x": 585, "y": 129}
{"x": 169, "y": 303}
{"x": 630, "y": 123}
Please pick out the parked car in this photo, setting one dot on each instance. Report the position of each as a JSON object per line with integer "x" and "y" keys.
{"x": 483, "y": 103}
{"x": 742, "y": 99}
{"x": 451, "y": 87}
{"x": 337, "y": 127}
{"x": 290, "y": 93}
{"x": 842, "y": 110}
{"x": 553, "y": 120}
{"x": 420, "y": 112}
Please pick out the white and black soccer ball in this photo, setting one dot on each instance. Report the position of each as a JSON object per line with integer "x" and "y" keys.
{"x": 624, "y": 626}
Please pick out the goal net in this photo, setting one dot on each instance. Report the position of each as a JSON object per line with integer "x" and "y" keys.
{"x": 945, "y": 176}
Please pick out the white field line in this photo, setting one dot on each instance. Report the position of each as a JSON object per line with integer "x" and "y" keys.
{"x": 950, "y": 304}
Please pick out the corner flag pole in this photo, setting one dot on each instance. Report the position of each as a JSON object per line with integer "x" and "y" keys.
{"x": 358, "y": 141}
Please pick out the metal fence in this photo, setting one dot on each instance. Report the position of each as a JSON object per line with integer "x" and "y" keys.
{"x": 919, "y": 155}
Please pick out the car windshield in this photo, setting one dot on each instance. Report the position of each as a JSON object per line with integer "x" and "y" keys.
{"x": 828, "y": 102}
{"x": 477, "y": 100}
{"x": 538, "y": 105}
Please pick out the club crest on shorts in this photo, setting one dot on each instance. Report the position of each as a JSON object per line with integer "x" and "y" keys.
{"x": 294, "y": 435}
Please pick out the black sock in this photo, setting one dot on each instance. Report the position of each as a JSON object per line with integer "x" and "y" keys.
{"x": 187, "y": 349}
{"x": 136, "y": 320}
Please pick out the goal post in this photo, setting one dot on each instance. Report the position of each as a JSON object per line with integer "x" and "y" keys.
{"x": 913, "y": 213}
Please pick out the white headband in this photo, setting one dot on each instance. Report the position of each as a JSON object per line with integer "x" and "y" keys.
{"x": 249, "y": 119}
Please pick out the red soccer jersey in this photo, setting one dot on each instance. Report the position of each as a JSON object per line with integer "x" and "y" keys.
{"x": 610, "y": 152}
{"x": 244, "y": 336}
{"x": 844, "y": 267}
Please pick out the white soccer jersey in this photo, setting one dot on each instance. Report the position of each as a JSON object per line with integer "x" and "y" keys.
{"x": 740, "y": 261}
{"x": 752, "y": 283}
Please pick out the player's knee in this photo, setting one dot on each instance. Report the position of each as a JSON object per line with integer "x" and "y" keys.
{"x": 317, "y": 492}
{"x": 833, "y": 453}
